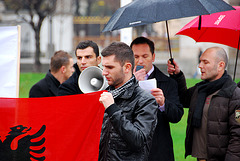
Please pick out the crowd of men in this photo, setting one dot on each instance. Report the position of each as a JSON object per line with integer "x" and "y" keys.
{"x": 136, "y": 122}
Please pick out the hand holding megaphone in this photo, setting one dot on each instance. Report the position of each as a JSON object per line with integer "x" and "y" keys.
{"x": 92, "y": 80}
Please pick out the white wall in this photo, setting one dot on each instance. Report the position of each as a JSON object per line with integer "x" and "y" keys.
{"x": 62, "y": 33}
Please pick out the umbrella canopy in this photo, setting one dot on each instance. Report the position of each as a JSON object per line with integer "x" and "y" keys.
{"x": 222, "y": 28}
{"x": 141, "y": 12}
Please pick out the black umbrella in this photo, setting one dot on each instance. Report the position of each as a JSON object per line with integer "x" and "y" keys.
{"x": 141, "y": 12}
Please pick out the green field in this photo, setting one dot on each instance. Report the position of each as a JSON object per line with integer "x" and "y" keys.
{"x": 177, "y": 130}
{"x": 27, "y": 80}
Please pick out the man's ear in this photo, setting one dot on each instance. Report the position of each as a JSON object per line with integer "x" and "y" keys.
{"x": 99, "y": 59}
{"x": 63, "y": 69}
{"x": 127, "y": 67}
{"x": 153, "y": 57}
{"x": 221, "y": 66}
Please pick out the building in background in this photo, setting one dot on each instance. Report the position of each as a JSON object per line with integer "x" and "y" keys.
{"x": 78, "y": 20}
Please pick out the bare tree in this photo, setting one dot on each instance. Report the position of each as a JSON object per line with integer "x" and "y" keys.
{"x": 77, "y": 5}
{"x": 37, "y": 11}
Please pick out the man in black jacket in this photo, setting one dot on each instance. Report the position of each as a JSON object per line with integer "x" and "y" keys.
{"x": 87, "y": 54}
{"x": 130, "y": 112}
{"x": 166, "y": 95}
{"x": 61, "y": 68}
{"x": 213, "y": 126}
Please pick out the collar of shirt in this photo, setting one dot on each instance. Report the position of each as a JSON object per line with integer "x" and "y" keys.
{"x": 149, "y": 73}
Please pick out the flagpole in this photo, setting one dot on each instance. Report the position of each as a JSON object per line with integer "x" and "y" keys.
{"x": 18, "y": 60}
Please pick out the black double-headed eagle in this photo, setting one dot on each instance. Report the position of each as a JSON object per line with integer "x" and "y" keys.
{"x": 22, "y": 153}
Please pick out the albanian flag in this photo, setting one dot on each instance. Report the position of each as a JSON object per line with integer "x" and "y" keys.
{"x": 64, "y": 128}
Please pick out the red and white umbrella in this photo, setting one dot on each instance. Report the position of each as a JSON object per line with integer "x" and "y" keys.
{"x": 221, "y": 27}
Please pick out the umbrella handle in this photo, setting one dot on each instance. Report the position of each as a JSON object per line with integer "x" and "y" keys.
{"x": 171, "y": 60}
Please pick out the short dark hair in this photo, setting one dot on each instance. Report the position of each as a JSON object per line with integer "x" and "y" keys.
{"x": 123, "y": 53}
{"x": 59, "y": 59}
{"x": 88, "y": 43}
{"x": 144, "y": 40}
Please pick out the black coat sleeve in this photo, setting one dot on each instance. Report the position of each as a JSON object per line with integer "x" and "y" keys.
{"x": 185, "y": 94}
{"x": 173, "y": 107}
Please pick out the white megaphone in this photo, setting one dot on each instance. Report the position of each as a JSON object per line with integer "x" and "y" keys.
{"x": 92, "y": 80}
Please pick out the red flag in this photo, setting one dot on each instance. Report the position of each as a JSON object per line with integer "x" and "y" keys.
{"x": 52, "y": 128}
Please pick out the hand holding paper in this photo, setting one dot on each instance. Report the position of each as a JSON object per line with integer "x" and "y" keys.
{"x": 150, "y": 86}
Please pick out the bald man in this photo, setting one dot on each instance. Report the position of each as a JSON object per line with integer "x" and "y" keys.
{"x": 213, "y": 127}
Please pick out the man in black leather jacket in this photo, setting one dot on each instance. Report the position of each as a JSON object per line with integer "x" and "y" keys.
{"x": 130, "y": 112}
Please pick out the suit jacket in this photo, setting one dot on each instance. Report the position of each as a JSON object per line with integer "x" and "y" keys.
{"x": 162, "y": 146}
{"x": 46, "y": 87}
{"x": 70, "y": 86}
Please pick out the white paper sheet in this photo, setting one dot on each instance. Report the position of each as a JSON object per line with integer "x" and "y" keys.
{"x": 149, "y": 84}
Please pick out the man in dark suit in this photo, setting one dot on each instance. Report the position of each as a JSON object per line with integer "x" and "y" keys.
{"x": 87, "y": 54}
{"x": 61, "y": 68}
{"x": 166, "y": 95}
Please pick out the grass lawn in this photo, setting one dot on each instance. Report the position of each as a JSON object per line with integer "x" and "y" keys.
{"x": 27, "y": 80}
{"x": 178, "y": 132}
